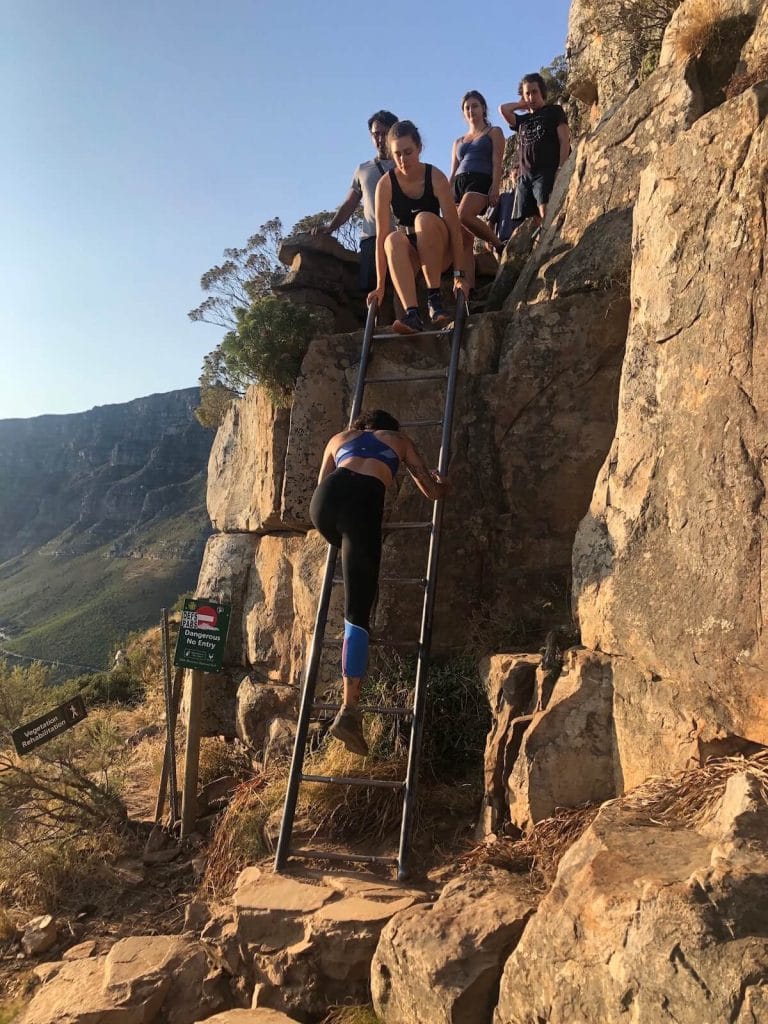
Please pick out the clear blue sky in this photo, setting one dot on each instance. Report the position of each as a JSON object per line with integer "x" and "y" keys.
{"x": 140, "y": 139}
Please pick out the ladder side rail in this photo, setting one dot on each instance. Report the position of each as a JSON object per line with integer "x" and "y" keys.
{"x": 310, "y": 676}
{"x": 425, "y": 639}
{"x": 365, "y": 355}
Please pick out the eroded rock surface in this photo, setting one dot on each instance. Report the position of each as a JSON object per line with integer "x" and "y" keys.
{"x": 442, "y": 962}
{"x": 661, "y": 922}
{"x": 143, "y": 979}
{"x": 668, "y": 564}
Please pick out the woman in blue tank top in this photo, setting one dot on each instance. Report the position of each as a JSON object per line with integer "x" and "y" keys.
{"x": 476, "y": 176}
{"x": 347, "y": 508}
{"x": 428, "y": 234}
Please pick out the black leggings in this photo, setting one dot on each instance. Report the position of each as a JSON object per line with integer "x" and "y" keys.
{"x": 347, "y": 508}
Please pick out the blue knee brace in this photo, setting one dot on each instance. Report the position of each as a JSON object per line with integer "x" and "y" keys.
{"x": 354, "y": 653}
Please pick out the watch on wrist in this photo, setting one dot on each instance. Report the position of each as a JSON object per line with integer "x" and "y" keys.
{"x": 458, "y": 274}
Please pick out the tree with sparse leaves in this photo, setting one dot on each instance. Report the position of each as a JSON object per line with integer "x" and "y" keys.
{"x": 348, "y": 234}
{"x": 245, "y": 275}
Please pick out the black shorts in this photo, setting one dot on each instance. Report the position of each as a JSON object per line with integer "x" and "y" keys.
{"x": 367, "y": 279}
{"x": 471, "y": 181}
{"x": 533, "y": 191}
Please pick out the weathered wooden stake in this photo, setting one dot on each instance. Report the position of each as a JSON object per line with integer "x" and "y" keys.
{"x": 192, "y": 755}
{"x": 178, "y": 678}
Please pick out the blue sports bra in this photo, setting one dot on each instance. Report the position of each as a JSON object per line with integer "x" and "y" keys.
{"x": 368, "y": 446}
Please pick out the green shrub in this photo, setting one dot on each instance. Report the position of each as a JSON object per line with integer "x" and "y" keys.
{"x": 266, "y": 347}
{"x": 120, "y": 686}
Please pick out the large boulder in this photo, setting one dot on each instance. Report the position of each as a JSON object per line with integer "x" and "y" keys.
{"x": 668, "y": 563}
{"x": 258, "y": 705}
{"x": 567, "y": 754}
{"x": 441, "y": 963}
{"x": 510, "y": 683}
{"x": 651, "y": 922}
{"x": 143, "y": 979}
{"x": 308, "y": 942}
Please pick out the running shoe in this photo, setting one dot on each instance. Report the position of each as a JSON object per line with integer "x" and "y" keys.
{"x": 408, "y": 323}
{"x": 437, "y": 315}
{"x": 348, "y": 727}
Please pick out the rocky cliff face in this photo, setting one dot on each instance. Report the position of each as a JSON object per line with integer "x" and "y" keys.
{"x": 91, "y": 477}
{"x": 631, "y": 340}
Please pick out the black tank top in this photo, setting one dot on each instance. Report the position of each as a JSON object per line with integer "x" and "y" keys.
{"x": 405, "y": 208}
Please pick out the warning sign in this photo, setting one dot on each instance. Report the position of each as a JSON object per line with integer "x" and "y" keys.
{"x": 49, "y": 725}
{"x": 203, "y": 634}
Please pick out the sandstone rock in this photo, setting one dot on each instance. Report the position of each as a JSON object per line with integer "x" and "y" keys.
{"x": 279, "y": 741}
{"x": 258, "y": 704}
{"x": 567, "y": 752}
{"x": 516, "y": 252}
{"x": 443, "y": 962}
{"x": 246, "y": 465}
{"x": 162, "y": 970}
{"x": 259, "y": 1016}
{"x": 270, "y": 910}
{"x": 326, "y": 245}
{"x": 82, "y": 950}
{"x": 667, "y": 564}
{"x": 74, "y": 995}
{"x": 599, "y": 70}
{"x": 276, "y": 634}
{"x": 510, "y": 684}
{"x": 39, "y": 935}
{"x": 658, "y": 922}
{"x": 227, "y": 565}
{"x": 331, "y": 961}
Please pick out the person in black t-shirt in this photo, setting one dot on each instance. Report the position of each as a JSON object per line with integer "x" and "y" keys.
{"x": 544, "y": 143}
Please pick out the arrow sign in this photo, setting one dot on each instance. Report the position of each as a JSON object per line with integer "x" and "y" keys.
{"x": 48, "y": 726}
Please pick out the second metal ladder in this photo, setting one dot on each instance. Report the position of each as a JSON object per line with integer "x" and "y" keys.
{"x": 308, "y": 705}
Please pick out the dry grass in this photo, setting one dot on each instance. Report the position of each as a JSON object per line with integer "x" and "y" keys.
{"x": 699, "y": 28}
{"x": 220, "y": 757}
{"x": 540, "y": 852}
{"x": 8, "y": 929}
{"x": 756, "y": 72}
{"x": 240, "y": 838}
{"x": 338, "y": 812}
{"x": 691, "y": 797}
{"x": 52, "y": 876}
{"x": 348, "y": 812}
{"x": 351, "y": 1015}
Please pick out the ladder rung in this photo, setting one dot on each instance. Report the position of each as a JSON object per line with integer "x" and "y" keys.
{"x": 420, "y": 580}
{"x": 370, "y": 709}
{"x": 374, "y": 641}
{"x": 436, "y": 375}
{"x": 353, "y": 780}
{"x": 421, "y": 423}
{"x": 408, "y": 526}
{"x": 418, "y": 334}
{"x": 359, "y": 858}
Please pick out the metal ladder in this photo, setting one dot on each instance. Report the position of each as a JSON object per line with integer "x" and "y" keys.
{"x": 284, "y": 851}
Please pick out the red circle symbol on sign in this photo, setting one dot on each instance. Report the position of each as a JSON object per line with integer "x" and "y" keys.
{"x": 207, "y": 617}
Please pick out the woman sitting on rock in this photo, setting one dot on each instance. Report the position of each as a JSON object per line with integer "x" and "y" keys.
{"x": 476, "y": 175}
{"x": 347, "y": 508}
{"x": 417, "y": 194}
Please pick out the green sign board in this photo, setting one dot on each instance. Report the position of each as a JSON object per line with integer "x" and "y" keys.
{"x": 203, "y": 634}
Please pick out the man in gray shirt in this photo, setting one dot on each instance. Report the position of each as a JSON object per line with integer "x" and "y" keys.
{"x": 363, "y": 189}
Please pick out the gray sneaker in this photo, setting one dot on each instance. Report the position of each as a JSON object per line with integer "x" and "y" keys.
{"x": 348, "y": 727}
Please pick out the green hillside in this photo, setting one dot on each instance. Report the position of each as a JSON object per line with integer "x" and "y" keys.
{"x": 77, "y": 608}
